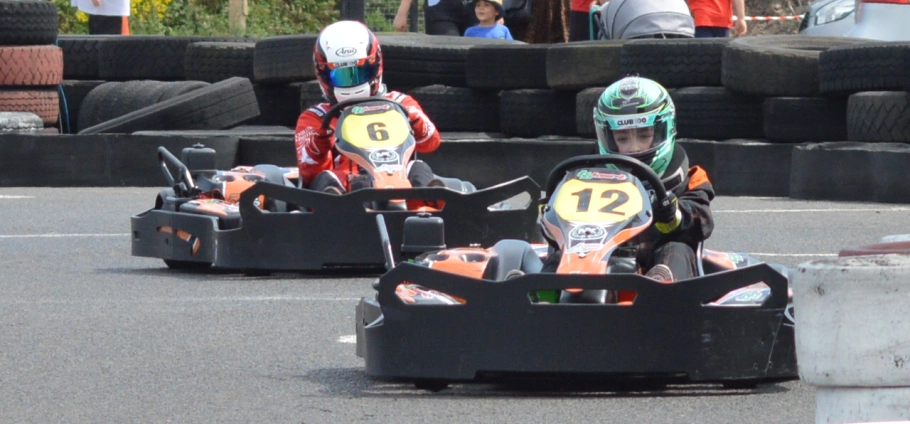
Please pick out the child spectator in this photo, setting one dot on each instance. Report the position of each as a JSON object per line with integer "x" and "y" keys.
{"x": 489, "y": 12}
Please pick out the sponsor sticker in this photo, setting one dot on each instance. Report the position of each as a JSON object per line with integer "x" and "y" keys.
{"x": 383, "y": 156}
{"x": 587, "y": 232}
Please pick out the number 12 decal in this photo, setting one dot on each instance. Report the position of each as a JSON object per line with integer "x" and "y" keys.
{"x": 618, "y": 198}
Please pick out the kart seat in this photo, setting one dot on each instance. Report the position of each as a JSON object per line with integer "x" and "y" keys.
{"x": 510, "y": 256}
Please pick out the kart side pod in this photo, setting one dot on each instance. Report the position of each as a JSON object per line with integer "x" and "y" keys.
{"x": 422, "y": 233}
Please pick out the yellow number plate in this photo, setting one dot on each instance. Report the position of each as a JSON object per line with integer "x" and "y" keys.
{"x": 601, "y": 201}
{"x": 377, "y": 130}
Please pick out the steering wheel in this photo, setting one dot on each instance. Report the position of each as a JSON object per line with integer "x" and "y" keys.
{"x": 630, "y": 164}
{"x": 335, "y": 110}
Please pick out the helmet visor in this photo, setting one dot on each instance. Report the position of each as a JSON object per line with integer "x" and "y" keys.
{"x": 351, "y": 76}
{"x": 632, "y": 135}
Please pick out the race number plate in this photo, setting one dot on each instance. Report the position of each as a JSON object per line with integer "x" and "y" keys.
{"x": 383, "y": 130}
{"x": 597, "y": 201}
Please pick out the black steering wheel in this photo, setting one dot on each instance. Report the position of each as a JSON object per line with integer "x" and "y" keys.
{"x": 629, "y": 164}
{"x": 335, "y": 110}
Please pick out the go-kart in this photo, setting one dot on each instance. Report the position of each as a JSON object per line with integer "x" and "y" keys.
{"x": 257, "y": 219}
{"x": 476, "y": 314}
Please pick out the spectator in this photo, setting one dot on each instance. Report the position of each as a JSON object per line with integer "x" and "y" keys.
{"x": 489, "y": 13}
{"x": 714, "y": 18}
{"x": 580, "y": 19}
{"x": 105, "y": 16}
{"x": 442, "y": 17}
{"x": 549, "y": 23}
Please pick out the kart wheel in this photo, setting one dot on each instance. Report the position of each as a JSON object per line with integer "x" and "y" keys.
{"x": 431, "y": 384}
{"x": 187, "y": 265}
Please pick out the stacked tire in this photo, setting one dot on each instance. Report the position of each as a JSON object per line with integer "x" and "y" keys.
{"x": 31, "y": 67}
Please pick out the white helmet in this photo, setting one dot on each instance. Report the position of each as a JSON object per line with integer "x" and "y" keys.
{"x": 348, "y": 62}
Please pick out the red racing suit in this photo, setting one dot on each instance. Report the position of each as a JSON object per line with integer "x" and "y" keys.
{"x": 311, "y": 160}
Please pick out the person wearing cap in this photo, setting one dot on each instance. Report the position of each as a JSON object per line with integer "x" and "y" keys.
{"x": 489, "y": 12}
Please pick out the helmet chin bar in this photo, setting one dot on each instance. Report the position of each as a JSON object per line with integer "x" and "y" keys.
{"x": 356, "y": 92}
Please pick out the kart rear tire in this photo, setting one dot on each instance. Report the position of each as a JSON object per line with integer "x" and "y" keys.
{"x": 431, "y": 384}
{"x": 187, "y": 265}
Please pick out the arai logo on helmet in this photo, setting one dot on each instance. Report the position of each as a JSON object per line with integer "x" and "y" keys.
{"x": 345, "y": 52}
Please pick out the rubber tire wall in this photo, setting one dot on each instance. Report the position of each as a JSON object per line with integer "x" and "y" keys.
{"x": 503, "y": 67}
{"x": 151, "y": 57}
{"x": 777, "y": 65}
{"x": 875, "y": 116}
{"x": 31, "y": 65}
{"x": 715, "y": 113}
{"x": 800, "y": 119}
{"x": 872, "y": 67}
{"x": 217, "y": 106}
{"x": 216, "y": 61}
{"x": 686, "y": 62}
{"x": 536, "y": 112}
{"x": 583, "y": 64}
{"x": 459, "y": 109}
{"x": 28, "y": 22}
{"x": 284, "y": 59}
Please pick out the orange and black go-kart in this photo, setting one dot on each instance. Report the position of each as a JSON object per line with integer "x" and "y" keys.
{"x": 475, "y": 314}
{"x": 258, "y": 220}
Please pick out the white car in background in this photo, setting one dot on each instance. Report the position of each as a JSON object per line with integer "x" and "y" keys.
{"x": 886, "y": 20}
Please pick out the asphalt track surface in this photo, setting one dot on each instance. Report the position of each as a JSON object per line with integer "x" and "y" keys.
{"x": 92, "y": 334}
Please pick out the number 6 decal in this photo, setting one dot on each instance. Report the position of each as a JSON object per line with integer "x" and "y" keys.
{"x": 376, "y": 133}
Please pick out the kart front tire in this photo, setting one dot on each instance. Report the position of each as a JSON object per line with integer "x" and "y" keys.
{"x": 187, "y": 265}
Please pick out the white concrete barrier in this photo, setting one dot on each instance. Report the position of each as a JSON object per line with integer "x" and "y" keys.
{"x": 853, "y": 336}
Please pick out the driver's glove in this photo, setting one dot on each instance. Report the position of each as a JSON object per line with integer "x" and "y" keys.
{"x": 667, "y": 216}
{"x": 418, "y": 121}
{"x": 323, "y": 140}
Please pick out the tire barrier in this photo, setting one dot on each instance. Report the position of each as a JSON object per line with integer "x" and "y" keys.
{"x": 31, "y": 65}
{"x": 716, "y": 113}
{"x": 577, "y": 66}
{"x": 74, "y": 94}
{"x": 506, "y": 67}
{"x": 20, "y": 122}
{"x": 147, "y": 57}
{"x": 585, "y": 101}
{"x": 878, "y": 116}
{"x": 850, "y": 171}
{"x": 459, "y": 109}
{"x": 28, "y": 22}
{"x": 279, "y": 104}
{"x": 216, "y": 106}
{"x": 284, "y": 59}
{"x": 44, "y": 102}
{"x": 534, "y": 112}
{"x": 737, "y": 172}
{"x": 686, "y": 62}
{"x": 802, "y": 119}
{"x": 870, "y": 67}
{"x": 80, "y": 55}
{"x": 851, "y": 336}
{"x": 420, "y": 60}
{"x": 104, "y": 160}
{"x": 114, "y": 99}
{"x": 777, "y": 65}
{"x": 214, "y": 61}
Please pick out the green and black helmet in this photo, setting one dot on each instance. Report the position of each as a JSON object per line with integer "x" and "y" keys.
{"x": 636, "y": 102}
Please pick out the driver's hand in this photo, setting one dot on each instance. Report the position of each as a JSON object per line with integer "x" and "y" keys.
{"x": 324, "y": 139}
{"x": 667, "y": 216}
{"x": 418, "y": 121}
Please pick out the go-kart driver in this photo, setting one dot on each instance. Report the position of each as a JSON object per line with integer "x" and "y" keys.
{"x": 636, "y": 117}
{"x": 344, "y": 75}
